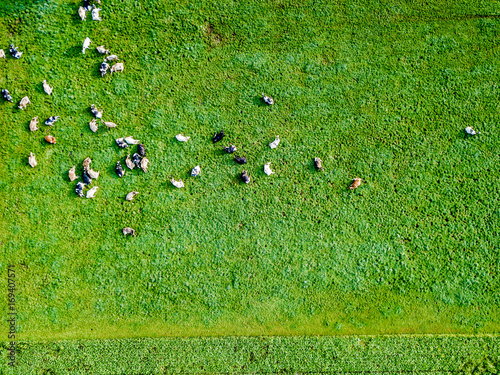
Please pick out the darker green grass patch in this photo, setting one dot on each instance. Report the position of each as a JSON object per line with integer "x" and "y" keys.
{"x": 388, "y": 354}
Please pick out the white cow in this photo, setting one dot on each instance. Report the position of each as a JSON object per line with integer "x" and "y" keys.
{"x": 91, "y": 192}
{"x": 33, "y": 124}
{"x": 144, "y": 164}
{"x": 32, "y": 160}
{"x": 102, "y": 50}
{"x": 117, "y": 68}
{"x": 93, "y": 125}
{"x": 131, "y": 195}
{"x": 178, "y": 184}
{"x": 275, "y": 143}
{"x": 72, "y": 175}
{"x": 471, "y": 131}
{"x": 46, "y": 87}
{"x": 82, "y": 13}
{"x": 132, "y": 141}
{"x": 129, "y": 162}
{"x": 181, "y": 138}
{"x": 267, "y": 169}
{"x": 86, "y": 44}
{"x": 24, "y": 102}
{"x": 109, "y": 124}
{"x": 95, "y": 14}
{"x": 93, "y": 174}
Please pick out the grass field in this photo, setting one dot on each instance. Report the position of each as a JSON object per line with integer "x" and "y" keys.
{"x": 377, "y": 90}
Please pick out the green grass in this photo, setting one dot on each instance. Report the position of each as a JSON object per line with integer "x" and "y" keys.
{"x": 243, "y": 355}
{"x": 377, "y": 90}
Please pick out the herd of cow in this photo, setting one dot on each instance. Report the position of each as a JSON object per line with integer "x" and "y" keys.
{"x": 139, "y": 159}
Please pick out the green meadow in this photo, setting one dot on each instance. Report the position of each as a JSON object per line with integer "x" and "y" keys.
{"x": 380, "y": 90}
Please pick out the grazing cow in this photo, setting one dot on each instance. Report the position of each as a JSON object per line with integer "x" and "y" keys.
{"x": 471, "y": 131}
{"x": 240, "y": 160}
{"x": 275, "y": 143}
{"x": 50, "y": 139}
{"x": 218, "y": 137}
{"x": 244, "y": 177}
{"x": 112, "y": 58}
{"x": 86, "y": 5}
{"x": 267, "y": 99}
{"x": 128, "y": 231}
{"x": 93, "y": 125}
{"x": 93, "y": 174}
{"x": 119, "y": 170}
{"x": 86, "y": 164}
{"x": 141, "y": 149}
{"x": 91, "y": 192}
{"x": 267, "y": 169}
{"x": 102, "y": 50}
{"x": 117, "y": 68}
{"x": 87, "y": 180}
{"x": 121, "y": 143}
{"x": 144, "y": 164}
{"x": 33, "y": 124}
{"x": 95, "y": 14}
{"x": 79, "y": 189}
{"x": 72, "y": 175}
{"x": 104, "y": 68}
{"x": 86, "y": 44}
{"x": 6, "y": 95}
{"x": 2, "y": 54}
{"x": 32, "y": 160}
{"x": 14, "y": 52}
{"x": 137, "y": 160}
{"x": 131, "y": 195}
{"x": 230, "y": 149}
{"x": 129, "y": 162}
{"x": 46, "y": 87}
{"x": 317, "y": 164}
{"x": 181, "y": 138}
{"x": 82, "y": 13}
{"x": 109, "y": 124}
{"x": 196, "y": 171}
{"x": 355, "y": 183}
{"x": 24, "y": 102}
{"x": 50, "y": 121}
{"x": 131, "y": 141}
{"x": 95, "y": 111}
{"x": 178, "y": 184}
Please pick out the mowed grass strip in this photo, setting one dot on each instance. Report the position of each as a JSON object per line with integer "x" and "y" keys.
{"x": 380, "y": 91}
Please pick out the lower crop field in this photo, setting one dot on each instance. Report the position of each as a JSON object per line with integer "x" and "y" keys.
{"x": 378, "y": 90}
{"x": 257, "y": 355}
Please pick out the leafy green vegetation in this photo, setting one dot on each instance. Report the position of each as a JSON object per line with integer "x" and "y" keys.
{"x": 358, "y": 354}
{"x": 377, "y": 90}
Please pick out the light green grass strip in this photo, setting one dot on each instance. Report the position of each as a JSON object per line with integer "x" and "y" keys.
{"x": 347, "y": 354}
